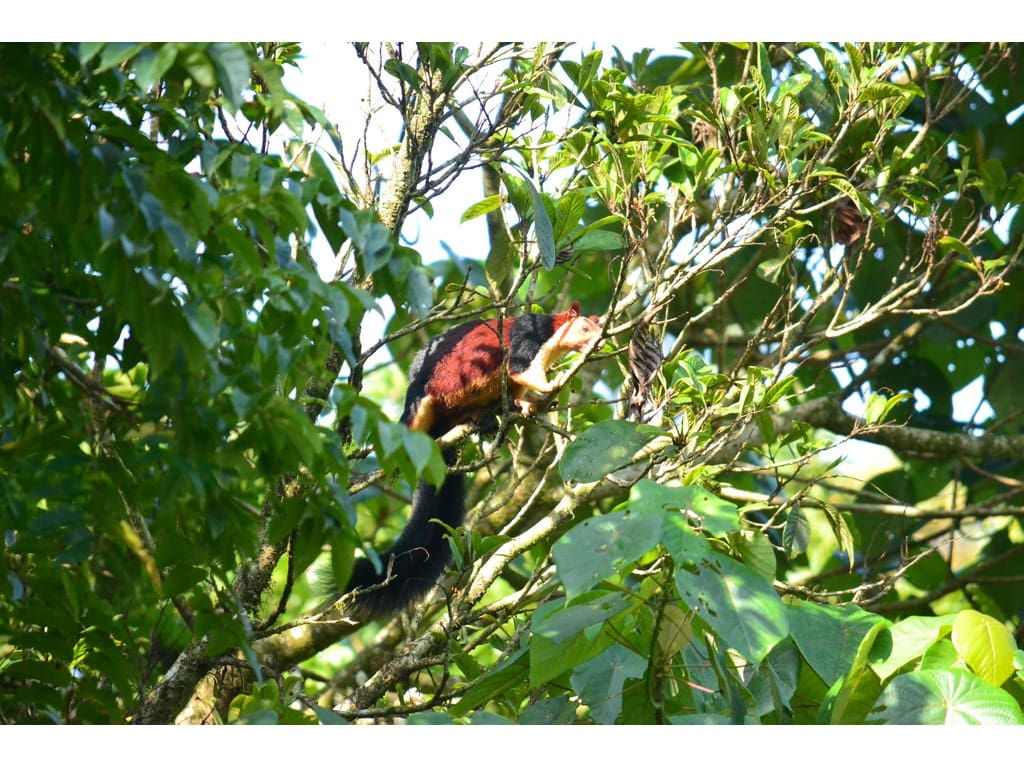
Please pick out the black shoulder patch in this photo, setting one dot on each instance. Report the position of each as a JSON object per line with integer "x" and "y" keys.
{"x": 529, "y": 333}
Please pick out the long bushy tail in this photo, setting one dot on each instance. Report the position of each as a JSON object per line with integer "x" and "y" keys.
{"x": 415, "y": 561}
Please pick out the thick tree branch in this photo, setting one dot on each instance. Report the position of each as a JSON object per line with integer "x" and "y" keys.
{"x": 827, "y": 413}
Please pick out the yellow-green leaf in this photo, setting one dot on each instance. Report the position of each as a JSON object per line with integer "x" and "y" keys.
{"x": 985, "y": 644}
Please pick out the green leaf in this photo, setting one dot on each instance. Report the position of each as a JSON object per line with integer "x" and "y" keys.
{"x": 754, "y": 549}
{"x": 204, "y": 324}
{"x": 949, "y": 243}
{"x": 941, "y": 655}
{"x": 402, "y": 71}
{"x": 543, "y": 229}
{"x": 599, "y": 682}
{"x": 945, "y": 697}
{"x": 985, "y": 644}
{"x": 481, "y": 208}
{"x": 903, "y": 93}
{"x": 603, "y": 448}
{"x": 327, "y": 716}
{"x": 392, "y": 437}
{"x": 233, "y": 71}
{"x": 557, "y": 710}
{"x": 499, "y": 679}
{"x": 200, "y": 66}
{"x": 599, "y": 240}
{"x": 828, "y": 636}
{"x": 740, "y": 606}
{"x": 791, "y": 86}
{"x": 151, "y": 65}
{"x": 993, "y": 175}
{"x": 601, "y": 547}
{"x": 478, "y": 718}
{"x": 30, "y": 670}
{"x": 775, "y": 683}
{"x": 570, "y": 209}
{"x": 851, "y": 697}
{"x": 905, "y": 641}
{"x": 841, "y": 529}
{"x": 701, "y": 507}
{"x": 729, "y": 100}
{"x": 697, "y": 373}
{"x": 588, "y": 613}
{"x": 421, "y": 290}
{"x": 112, "y": 54}
{"x": 844, "y": 186}
{"x": 371, "y": 238}
{"x": 796, "y": 533}
{"x": 772, "y": 269}
{"x": 424, "y": 455}
{"x": 778, "y": 390}
{"x": 850, "y": 700}
{"x": 878, "y": 406}
{"x": 549, "y": 659}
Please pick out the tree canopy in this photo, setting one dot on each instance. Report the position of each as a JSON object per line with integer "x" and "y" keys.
{"x": 786, "y": 488}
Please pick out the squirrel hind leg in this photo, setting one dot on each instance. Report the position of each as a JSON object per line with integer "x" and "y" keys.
{"x": 422, "y": 415}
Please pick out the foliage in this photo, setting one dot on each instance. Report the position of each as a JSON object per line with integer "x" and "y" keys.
{"x": 785, "y": 491}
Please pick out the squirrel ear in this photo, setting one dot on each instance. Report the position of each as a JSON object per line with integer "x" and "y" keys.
{"x": 574, "y": 309}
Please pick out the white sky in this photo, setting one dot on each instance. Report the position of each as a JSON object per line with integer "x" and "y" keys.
{"x": 332, "y": 77}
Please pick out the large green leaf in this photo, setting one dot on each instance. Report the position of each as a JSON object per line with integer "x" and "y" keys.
{"x": 595, "y": 608}
{"x": 603, "y": 448}
{"x": 985, "y": 644}
{"x": 945, "y": 697}
{"x": 603, "y": 546}
{"x": 600, "y": 681}
{"x": 852, "y": 696}
{"x": 828, "y": 636}
{"x": 900, "y": 643}
{"x": 740, "y": 606}
{"x": 550, "y": 658}
{"x": 695, "y": 506}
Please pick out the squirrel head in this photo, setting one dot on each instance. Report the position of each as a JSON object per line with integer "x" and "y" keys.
{"x": 575, "y": 331}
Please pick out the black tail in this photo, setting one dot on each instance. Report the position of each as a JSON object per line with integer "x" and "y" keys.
{"x": 417, "y": 558}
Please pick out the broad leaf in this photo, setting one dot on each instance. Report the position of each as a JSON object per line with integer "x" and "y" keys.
{"x": 945, "y": 697}
{"x": 740, "y": 607}
{"x": 602, "y": 449}
{"x": 985, "y": 644}
{"x": 602, "y": 546}
{"x": 600, "y": 681}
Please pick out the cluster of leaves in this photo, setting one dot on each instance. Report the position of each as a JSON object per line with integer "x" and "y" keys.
{"x": 188, "y": 413}
{"x": 669, "y": 615}
{"x": 819, "y": 224}
{"x": 160, "y": 316}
